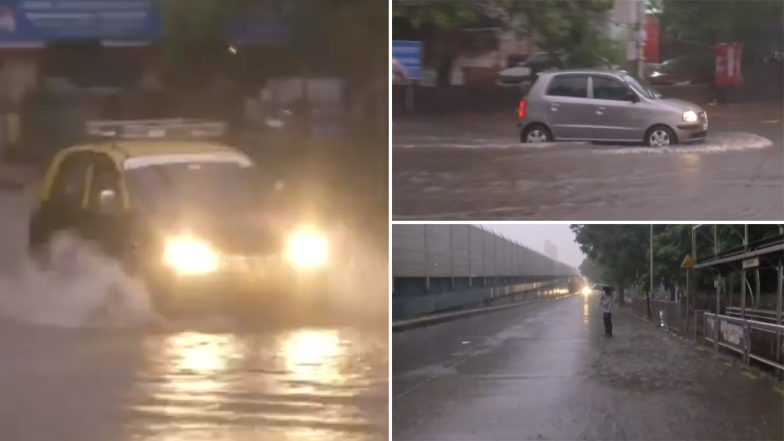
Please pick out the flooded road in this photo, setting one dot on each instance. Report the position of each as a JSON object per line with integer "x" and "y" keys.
{"x": 472, "y": 167}
{"x": 79, "y": 367}
{"x": 301, "y": 383}
{"x": 545, "y": 371}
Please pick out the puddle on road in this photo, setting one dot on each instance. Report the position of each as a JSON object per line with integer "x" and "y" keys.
{"x": 717, "y": 143}
{"x": 487, "y": 144}
{"x": 305, "y": 383}
{"x": 729, "y": 142}
{"x": 203, "y": 377}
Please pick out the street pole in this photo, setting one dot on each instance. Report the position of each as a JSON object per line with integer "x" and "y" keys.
{"x": 650, "y": 291}
{"x": 427, "y": 261}
{"x": 688, "y": 272}
{"x": 640, "y": 14}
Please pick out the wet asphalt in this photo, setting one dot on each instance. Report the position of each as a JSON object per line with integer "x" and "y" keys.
{"x": 472, "y": 167}
{"x": 546, "y": 372}
{"x": 271, "y": 374}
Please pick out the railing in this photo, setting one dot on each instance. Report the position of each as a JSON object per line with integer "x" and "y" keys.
{"x": 762, "y": 315}
{"x": 735, "y": 334}
{"x": 409, "y": 307}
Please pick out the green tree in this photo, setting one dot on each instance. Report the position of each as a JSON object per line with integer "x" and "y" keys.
{"x": 195, "y": 31}
{"x": 620, "y": 251}
{"x": 671, "y": 243}
{"x": 590, "y": 269}
{"x": 564, "y": 27}
{"x": 756, "y": 23}
{"x": 437, "y": 14}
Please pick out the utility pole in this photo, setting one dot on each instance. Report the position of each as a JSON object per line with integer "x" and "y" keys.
{"x": 650, "y": 290}
{"x": 639, "y": 35}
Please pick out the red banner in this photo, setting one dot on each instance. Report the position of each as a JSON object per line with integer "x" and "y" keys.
{"x": 651, "y": 51}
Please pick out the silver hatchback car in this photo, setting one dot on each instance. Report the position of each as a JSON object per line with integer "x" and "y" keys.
{"x": 606, "y": 105}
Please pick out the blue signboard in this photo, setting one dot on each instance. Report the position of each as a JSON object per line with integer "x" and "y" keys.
{"x": 407, "y": 59}
{"x": 41, "y": 21}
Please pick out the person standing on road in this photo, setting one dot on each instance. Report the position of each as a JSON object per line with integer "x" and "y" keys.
{"x": 607, "y": 302}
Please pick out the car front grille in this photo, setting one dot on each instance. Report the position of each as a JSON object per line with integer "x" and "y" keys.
{"x": 245, "y": 264}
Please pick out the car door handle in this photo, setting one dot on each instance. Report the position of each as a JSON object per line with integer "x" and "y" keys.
{"x": 600, "y": 110}
{"x": 554, "y": 107}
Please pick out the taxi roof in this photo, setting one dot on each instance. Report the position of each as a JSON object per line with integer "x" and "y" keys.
{"x": 122, "y": 150}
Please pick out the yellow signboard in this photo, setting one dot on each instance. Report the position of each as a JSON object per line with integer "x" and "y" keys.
{"x": 687, "y": 263}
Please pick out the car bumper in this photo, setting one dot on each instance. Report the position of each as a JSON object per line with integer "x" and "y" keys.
{"x": 691, "y": 132}
{"x": 273, "y": 279}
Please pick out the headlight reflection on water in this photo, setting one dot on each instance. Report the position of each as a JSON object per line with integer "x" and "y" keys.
{"x": 255, "y": 386}
{"x": 312, "y": 356}
{"x": 197, "y": 359}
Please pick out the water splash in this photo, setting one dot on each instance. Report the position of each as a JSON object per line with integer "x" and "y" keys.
{"x": 79, "y": 287}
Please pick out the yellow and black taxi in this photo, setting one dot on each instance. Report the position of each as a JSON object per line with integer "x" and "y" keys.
{"x": 184, "y": 213}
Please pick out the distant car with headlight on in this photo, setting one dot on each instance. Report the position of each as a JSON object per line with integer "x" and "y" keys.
{"x": 185, "y": 214}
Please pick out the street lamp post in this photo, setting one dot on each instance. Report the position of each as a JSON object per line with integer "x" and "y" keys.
{"x": 650, "y": 290}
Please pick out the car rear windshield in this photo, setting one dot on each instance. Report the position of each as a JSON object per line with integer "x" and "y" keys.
{"x": 569, "y": 85}
{"x": 197, "y": 185}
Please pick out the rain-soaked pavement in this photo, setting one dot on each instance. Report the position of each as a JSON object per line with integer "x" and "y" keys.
{"x": 545, "y": 371}
{"x": 72, "y": 370}
{"x": 470, "y": 167}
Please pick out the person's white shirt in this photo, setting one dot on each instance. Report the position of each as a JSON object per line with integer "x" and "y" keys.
{"x": 607, "y": 302}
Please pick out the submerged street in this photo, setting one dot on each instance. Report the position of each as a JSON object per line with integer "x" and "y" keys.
{"x": 546, "y": 371}
{"x": 472, "y": 166}
{"x": 78, "y": 367}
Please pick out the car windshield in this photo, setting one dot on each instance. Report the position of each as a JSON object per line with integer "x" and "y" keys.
{"x": 221, "y": 186}
{"x": 641, "y": 87}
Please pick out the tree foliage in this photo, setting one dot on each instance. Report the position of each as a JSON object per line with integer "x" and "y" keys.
{"x": 438, "y": 14}
{"x": 564, "y": 27}
{"x": 590, "y": 269}
{"x": 756, "y": 23}
{"x": 196, "y": 21}
{"x": 620, "y": 251}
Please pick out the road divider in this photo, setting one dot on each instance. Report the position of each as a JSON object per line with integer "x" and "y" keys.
{"x": 405, "y": 325}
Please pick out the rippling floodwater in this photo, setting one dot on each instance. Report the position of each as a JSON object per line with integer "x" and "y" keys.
{"x": 295, "y": 383}
{"x": 84, "y": 358}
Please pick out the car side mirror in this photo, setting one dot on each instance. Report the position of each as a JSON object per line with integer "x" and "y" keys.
{"x": 633, "y": 97}
{"x": 108, "y": 202}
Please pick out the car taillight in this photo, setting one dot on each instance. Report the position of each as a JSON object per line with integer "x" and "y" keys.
{"x": 521, "y": 109}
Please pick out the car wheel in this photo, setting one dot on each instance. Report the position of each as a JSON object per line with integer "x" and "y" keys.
{"x": 535, "y": 133}
{"x": 660, "y": 136}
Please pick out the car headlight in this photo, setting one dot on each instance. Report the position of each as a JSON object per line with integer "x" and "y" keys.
{"x": 188, "y": 255}
{"x": 690, "y": 116}
{"x": 307, "y": 248}
{"x": 586, "y": 291}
